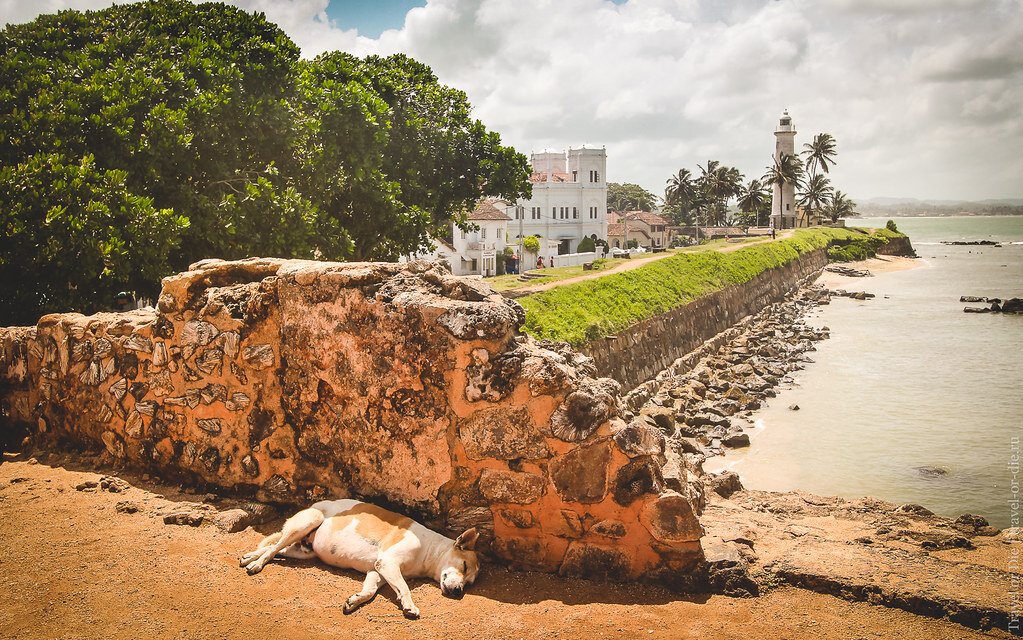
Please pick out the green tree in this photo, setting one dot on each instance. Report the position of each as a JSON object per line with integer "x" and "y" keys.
{"x": 815, "y": 193}
{"x": 787, "y": 168}
{"x": 717, "y": 184}
{"x": 74, "y": 235}
{"x": 189, "y": 100}
{"x": 820, "y": 154}
{"x": 681, "y": 198}
{"x": 397, "y": 156}
{"x": 586, "y": 244}
{"x": 207, "y": 117}
{"x": 839, "y": 206}
{"x": 754, "y": 202}
{"x": 629, "y": 197}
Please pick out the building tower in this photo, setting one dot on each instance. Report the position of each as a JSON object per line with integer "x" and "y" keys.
{"x": 783, "y": 199}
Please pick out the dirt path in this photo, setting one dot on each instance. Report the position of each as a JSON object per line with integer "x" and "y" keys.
{"x": 633, "y": 263}
{"x": 75, "y": 567}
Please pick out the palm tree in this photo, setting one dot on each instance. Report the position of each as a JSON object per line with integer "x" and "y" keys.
{"x": 817, "y": 191}
{"x": 754, "y": 199}
{"x": 680, "y": 197}
{"x": 718, "y": 183}
{"x": 839, "y": 206}
{"x": 786, "y": 169}
{"x": 820, "y": 153}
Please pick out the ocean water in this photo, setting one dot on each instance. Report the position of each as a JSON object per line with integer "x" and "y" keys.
{"x": 908, "y": 381}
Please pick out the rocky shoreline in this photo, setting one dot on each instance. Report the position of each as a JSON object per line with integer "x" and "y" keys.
{"x": 997, "y": 305}
{"x": 703, "y": 403}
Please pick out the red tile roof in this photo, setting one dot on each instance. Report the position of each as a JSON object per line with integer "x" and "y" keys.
{"x": 647, "y": 217}
{"x": 553, "y": 177}
{"x": 486, "y": 210}
{"x": 615, "y": 229}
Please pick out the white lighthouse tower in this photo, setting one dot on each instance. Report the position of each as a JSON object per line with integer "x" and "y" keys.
{"x": 783, "y": 200}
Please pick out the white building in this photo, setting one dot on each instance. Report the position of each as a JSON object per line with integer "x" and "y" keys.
{"x": 569, "y": 201}
{"x": 476, "y": 252}
{"x": 783, "y": 199}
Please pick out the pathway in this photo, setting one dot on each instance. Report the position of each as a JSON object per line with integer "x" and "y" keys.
{"x": 633, "y": 263}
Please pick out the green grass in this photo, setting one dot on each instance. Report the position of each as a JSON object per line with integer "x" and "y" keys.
{"x": 506, "y": 282}
{"x": 579, "y": 312}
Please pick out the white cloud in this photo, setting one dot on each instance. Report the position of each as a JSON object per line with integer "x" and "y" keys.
{"x": 923, "y": 97}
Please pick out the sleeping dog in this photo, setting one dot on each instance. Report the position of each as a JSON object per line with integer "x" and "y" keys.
{"x": 386, "y": 546}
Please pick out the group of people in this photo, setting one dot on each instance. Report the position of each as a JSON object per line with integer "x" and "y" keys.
{"x": 539, "y": 262}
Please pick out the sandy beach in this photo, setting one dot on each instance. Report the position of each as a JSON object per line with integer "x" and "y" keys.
{"x": 876, "y": 265}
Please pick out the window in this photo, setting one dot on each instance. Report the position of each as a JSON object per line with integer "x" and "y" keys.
{"x": 787, "y": 206}
{"x": 575, "y": 213}
{"x": 483, "y": 233}
{"x": 536, "y": 213}
{"x": 575, "y": 176}
{"x": 473, "y": 265}
{"x": 554, "y": 213}
{"x": 463, "y": 234}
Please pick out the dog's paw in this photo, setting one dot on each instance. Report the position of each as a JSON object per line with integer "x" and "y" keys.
{"x": 351, "y": 604}
{"x": 412, "y": 613}
{"x": 253, "y": 568}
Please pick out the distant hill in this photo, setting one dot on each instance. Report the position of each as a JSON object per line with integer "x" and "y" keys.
{"x": 900, "y": 207}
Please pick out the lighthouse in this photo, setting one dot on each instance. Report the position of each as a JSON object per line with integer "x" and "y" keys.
{"x": 783, "y": 200}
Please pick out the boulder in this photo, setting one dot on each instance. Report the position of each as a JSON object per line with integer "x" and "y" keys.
{"x": 723, "y": 483}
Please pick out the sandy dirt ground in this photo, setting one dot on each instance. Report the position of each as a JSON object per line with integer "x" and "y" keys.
{"x": 74, "y": 566}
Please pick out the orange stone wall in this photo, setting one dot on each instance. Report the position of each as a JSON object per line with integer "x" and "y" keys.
{"x": 399, "y": 384}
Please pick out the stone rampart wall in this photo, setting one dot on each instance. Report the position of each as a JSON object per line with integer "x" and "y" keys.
{"x": 640, "y": 352}
{"x": 400, "y": 384}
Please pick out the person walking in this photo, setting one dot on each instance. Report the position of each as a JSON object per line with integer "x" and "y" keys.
{"x": 552, "y": 262}
{"x": 539, "y": 262}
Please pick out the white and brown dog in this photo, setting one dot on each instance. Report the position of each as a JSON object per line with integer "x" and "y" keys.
{"x": 386, "y": 546}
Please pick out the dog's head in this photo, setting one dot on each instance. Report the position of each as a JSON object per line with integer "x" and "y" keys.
{"x": 460, "y": 566}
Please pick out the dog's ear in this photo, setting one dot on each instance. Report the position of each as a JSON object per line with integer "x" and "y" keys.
{"x": 467, "y": 540}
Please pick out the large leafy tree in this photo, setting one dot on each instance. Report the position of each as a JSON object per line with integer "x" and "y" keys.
{"x": 200, "y": 123}
{"x": 74, "y": 235}
{"x": 190, "y": 101}
{"x": 396, "y": 155}
{"x": 629, "y": 197}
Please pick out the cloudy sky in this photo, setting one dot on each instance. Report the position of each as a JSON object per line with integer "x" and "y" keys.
{"x": 925, "y": 97}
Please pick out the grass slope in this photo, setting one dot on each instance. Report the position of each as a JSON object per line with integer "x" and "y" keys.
{"x": 583, "y": 311}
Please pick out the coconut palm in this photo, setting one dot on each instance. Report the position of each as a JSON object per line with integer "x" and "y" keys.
{"x": 820, "y": 153}
{"x": 718, "y": 183}
{"x": 787, "y": 168}
{"x": 755, "y": 199}
{"x": 839, "y": 206}
{"x": 680, "y": 197}
{"x": 817, "y": 191}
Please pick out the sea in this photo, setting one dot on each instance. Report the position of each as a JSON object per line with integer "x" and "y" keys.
{"x": 910, "y": 400}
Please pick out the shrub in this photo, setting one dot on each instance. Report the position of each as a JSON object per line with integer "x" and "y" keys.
{"x": 891, "y": 226}
{"x": 586, "y": 245}
{"x": 531, "y": 244}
